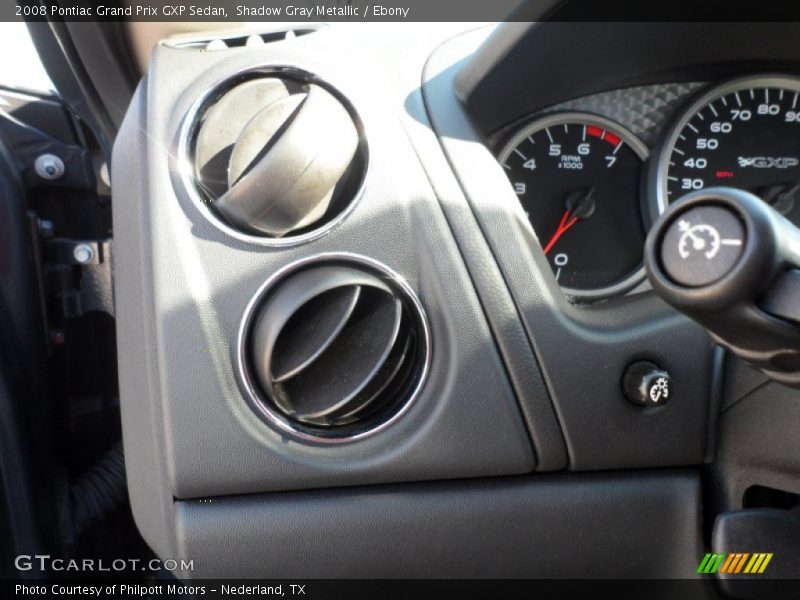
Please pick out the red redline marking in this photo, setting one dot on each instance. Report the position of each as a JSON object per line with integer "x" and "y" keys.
{"x": 594, "y": 131}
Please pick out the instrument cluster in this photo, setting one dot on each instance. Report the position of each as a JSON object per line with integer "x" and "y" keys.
{"x": 593, "y": 175}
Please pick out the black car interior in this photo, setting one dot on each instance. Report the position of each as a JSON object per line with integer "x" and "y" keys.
{"x": 407, "y": 300}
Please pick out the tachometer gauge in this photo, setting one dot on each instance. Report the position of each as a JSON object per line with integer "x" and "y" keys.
{"x": 743, "y": 134}
{"x": 578, "y": 179}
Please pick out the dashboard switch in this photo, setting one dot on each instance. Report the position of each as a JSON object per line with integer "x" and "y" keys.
{"x": 645, "y": 384}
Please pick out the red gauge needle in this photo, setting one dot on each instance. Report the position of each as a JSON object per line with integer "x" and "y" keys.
{"x": 563, "y": 227}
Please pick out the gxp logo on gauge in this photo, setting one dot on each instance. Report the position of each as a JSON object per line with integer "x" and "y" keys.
{"x": 768, "y": 162}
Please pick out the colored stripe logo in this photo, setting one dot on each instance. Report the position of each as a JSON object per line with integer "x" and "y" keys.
{"x": 733, "y": 563}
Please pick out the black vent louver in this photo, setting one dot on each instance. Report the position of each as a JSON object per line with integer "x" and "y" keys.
{"x": 336, "y": 348}
{"x": 244, "y": 40}
{"x": 277, "y": 155}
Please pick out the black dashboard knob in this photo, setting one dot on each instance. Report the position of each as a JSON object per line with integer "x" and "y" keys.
{"x": 646, "y": 384}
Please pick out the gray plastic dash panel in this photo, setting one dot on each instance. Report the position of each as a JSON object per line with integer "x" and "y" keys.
{"x": 183, "y": 283}
{"x": 631, "y": 526}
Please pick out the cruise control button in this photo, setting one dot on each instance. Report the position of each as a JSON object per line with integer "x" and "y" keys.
{"x": 702, "y": 245}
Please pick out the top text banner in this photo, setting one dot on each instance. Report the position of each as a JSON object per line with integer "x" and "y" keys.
{"x": 397, "y": 10}
{"x": 263, "y": 10}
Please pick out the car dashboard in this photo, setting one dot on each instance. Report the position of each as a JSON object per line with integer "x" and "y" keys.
{"x": 435, "y": 321}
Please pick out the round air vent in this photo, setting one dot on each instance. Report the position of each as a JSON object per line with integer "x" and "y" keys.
{"x": 276, "y": 155}
{"x": 335, "y": 349}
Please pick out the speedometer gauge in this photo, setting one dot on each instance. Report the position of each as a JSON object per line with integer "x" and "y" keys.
{"x": 743, "y": 134}
{"x": 578, "y": 178}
